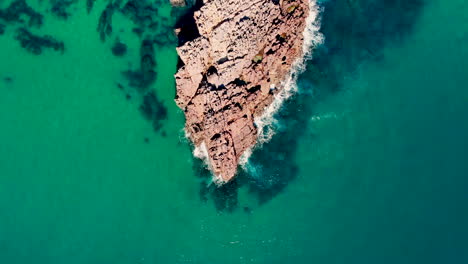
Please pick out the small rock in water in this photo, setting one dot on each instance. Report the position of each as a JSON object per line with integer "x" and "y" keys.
{"x": 119, "y": 49}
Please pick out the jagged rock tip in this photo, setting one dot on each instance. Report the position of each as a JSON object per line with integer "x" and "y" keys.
{"x": 235, "y": 72}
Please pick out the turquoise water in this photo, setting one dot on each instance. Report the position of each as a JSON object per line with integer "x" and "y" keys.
{"x": 369, "y": 164}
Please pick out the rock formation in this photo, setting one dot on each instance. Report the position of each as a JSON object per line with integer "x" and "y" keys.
{"x": 178, "y": 3}
{"x": 231, "y": 69}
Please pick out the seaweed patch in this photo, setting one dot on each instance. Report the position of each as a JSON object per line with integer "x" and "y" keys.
{"x": 22, "y": 18}
{"x": 145, "y": 75}
{"x": 105, "y": 21}
{"x": 60, "y": 8}
{"x": 19, "y": 9}
{"x": 153, "y": 110}
{"x": 35, "y": 43}
{"x": 119, "y": 49}
{"x": 89, "y": 5}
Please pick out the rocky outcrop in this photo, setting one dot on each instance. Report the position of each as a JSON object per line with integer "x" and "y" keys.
{"x": 178, "y": 3}
{"x": 231, "y": 69}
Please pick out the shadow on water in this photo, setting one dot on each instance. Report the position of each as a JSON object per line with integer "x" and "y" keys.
{"x": 355, "y": 31}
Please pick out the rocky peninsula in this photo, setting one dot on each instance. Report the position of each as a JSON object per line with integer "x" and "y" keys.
{"x": 235, "y": 56}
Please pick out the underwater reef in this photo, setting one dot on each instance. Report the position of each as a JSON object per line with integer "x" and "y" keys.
{"x": 35, "y": 43}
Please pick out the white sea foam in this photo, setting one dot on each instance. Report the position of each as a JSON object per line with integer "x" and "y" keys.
{"x": 266, "y": 122}
{"x": 201, "y": 152}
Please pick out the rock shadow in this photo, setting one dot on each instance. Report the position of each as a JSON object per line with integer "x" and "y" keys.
{"x": 187, "y": 25}
{"x": 355, "y": 32}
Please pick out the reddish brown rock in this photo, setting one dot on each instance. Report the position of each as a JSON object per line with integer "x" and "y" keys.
{"x": 232, "y": 71}
{"x": 177, "y": 3}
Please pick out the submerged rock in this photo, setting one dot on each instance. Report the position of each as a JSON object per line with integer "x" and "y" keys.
{"x": 105, "y": 21}
{"x": 153, "y": 110}
{"x": 234, "y": 56}
{"x": 60, "y": 8}
{"x": 119, "y": 49}
{"x": 7, "y": 79}
{"x": 142, "y": 13}
{"x": 148, "y": 23}
{"x": 19, "y": 9}
{"x": 35, "y": 44}
{"x": 146, "y": 74}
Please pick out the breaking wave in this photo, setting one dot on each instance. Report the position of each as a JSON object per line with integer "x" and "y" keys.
{"x": 201, "y": 152}
{"x": 266, "y": 123}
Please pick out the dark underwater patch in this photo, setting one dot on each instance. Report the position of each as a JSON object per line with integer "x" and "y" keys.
{"x": 144, "y": 14}
{"x": 23, "y": 18}
{"x": 225, "y": 197}
{"x": 147, "y": 25}
{"x": 152, "y": 28}
{"x": 153, "y": 110}
{"x": 146, "y": 74}
{"x": 36, "y": 44}
{"x": 19, "y": 9}
{"x": 60, "y": 8}
{"x": 7, "y": 79}
{"x": 89, "y": 5}
{"x": 119, "y": 49}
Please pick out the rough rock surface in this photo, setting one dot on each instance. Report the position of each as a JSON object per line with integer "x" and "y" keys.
{"x": 230, "y": 73}
{"x": 178, "y": 3}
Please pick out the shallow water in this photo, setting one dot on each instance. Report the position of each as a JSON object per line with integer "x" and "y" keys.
{"x": 368, "y": 164}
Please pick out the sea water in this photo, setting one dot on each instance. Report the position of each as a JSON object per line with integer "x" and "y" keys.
{"x": 368, "y": 163}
